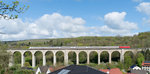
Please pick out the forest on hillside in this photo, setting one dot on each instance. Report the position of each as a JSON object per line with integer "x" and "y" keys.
{"x": 142, "y": 40}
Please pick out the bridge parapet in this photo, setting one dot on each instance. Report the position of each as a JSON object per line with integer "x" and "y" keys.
{"x": 70, "y": 47}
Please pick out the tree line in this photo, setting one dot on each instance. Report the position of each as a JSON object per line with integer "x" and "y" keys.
{"x": 142, "y": 40}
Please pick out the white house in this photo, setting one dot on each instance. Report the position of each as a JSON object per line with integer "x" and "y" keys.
{"x": 146, "y": 66}
{"x": 136, "y": 68}
{"x": 48, "y": 71}
{"x": 38, "y": 71}
{"x": 43, "y": 70}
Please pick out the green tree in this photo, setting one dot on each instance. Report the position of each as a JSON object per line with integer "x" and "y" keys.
{"x": 17, "y": 58}
{"x": 8, "y": 11}
{"x": 82, "y": 57}
{"x": 28, "y": 57}
{"x": 49, "y": 58}
{"x": 120, "y": 65}
{"x": 22, "y": 71}
{"x": 27, "y": 64}
{"x": 104, "y": 56}
{"x": 127, "y": 62}
{"x": 39, "y": 58}
{"x": 115, "y": 56}
{"x": 60, "y": 57}
{"x": 140, "y": 59}
{"x": 93, "y": 57}
{"x": 147, "y": 55}
{"x": 72, "y": 57}
{"x": 4, "y": 58}
{"x": 11, "y": 11}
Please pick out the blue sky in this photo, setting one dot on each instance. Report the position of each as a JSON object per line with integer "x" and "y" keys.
{"x": 74, "y": 18}
{"x": 90, "y": 10}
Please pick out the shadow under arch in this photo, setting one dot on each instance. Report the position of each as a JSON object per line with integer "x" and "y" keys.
{"x": 104, "y": 56}
{"x": 49, "y": 58}
{"x": 28, "y": 58}
{"x": 82, "y": 57}
{"x": 129, "y": 53}
{"x": 17, "y": 57}
{"x": 38, "y": 58}
{"x": 115, "y": 56}
{"x": 60, "y": 58}
{"x": 72, "y": 57}
{"x": 93, "y": 57}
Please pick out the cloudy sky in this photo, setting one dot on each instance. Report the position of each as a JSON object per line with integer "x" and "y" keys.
{"x": 73, "y": 18}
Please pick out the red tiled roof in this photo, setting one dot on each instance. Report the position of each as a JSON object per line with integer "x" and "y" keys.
{"x": 145, "y": 64}
{"x": 51, "y": 69}
{"x": 112, "y": 71}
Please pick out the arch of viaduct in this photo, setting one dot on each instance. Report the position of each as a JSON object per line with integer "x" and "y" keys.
{"x": 66, "y": 50}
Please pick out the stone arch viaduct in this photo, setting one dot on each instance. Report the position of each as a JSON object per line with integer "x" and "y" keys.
{"x": 67, "y": 49}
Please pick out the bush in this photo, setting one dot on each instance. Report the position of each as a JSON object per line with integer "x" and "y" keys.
{"x": 20, "y": 71}
{"x": 120, "y": 66}
{"x": 103, "y": 66}
{"x": 70, "y": 62}
{"x": 49, "y": 63}
{"x": 27, "y": 64}
{"x": 15, "y": 67}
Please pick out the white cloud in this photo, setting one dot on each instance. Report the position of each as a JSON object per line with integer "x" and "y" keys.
{"x": 11, "y": 26}
{"x": 116, "y": 24}
{"x": 107, "y": 30}
{"x": 144, "y": 7}
{"x": 58, "y": 26}
{"x": 47, "y": 26}
{"x": 115, "y": 20}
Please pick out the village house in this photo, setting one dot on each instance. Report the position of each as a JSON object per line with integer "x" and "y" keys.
{"x": 137, "y": 70}
{"x": 135, "y": 67}
{"x": 111, "y": 71}
{"x": 146, "y": 66}
{"x": 43, "y": 70}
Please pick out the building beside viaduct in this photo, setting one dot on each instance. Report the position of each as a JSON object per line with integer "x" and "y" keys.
{"x": 67, "y": 49}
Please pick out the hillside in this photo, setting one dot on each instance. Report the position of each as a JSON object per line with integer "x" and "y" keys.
{"x": 142, "y": 40}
